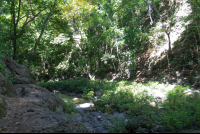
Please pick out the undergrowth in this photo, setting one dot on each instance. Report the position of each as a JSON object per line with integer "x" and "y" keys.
{"x": 178, "y": 112}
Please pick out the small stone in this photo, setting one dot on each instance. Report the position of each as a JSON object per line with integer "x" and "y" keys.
{"x": 95, "y": 114}
{"x": 105, "y": 114}
{"x": 141, "y": 130}
{"x": 99, "y": 129}
{"x": 108, "y": 124}
{"x": 98, "y": 93}
{"x": 96, "y": 125}
{"x": 99, "y": 117}
{"x": 23, "y": 91}
{"x": 72, "y": 94}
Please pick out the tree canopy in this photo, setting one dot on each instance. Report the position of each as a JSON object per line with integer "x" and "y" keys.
{"x": 66, "y": 38}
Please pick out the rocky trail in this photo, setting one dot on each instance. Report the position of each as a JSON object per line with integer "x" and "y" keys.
{"x": 34, "y": 112}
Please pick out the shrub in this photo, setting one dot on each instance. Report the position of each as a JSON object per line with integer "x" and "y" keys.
{"x": 120, "y": 126}
{"x": 69, "y": 106}
{"x": 182, "y": 112}
{"x": 178, "y": 112}
{"x": 76, "y": 85}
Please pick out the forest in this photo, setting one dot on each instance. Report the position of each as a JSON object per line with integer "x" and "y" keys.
{"x": 117, "y": 54}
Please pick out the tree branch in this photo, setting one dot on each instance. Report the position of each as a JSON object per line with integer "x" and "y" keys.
{"x": 45, "y": 24}
{"x": 18, "y": 13}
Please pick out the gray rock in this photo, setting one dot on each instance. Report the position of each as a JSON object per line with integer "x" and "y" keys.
{"x": 100, "y": 130}
{"x": 88, "y": 127}
{"x": 117, "y": 116}
{"x": 21, "y": 73}
{"x": 72, "y": 94}
{"x": 108, "y": 124}
{"x": 76, "y": 117}
{"x": 78, "y": 95}
{"x": 95, "y": 114}
{"x": 160, "y": 129}
{"x": 86, "y": 117}
{"x": 141, "y": 130}
{"x": 105, "y": 114}
{"x": 6, "y": 87}
{"x": 38, "y": 111}
{"x": 38, "y": 96}
{"x": 81, "y": 110}
{"x": 96, "y": 125}
{"x": 98, "y": 93}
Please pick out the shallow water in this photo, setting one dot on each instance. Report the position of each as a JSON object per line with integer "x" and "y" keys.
{"x": 74, "y": 99}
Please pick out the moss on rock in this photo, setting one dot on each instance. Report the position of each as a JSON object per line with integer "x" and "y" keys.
{"x": 2, "y": 107}
{"x": 6, "y": 87}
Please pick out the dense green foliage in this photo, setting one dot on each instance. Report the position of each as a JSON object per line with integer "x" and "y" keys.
{"x": 89, "y": 38}
{"x": 77, "y": 85}
{"x": 102, "y": 39}
{"x": 178, "y": 112}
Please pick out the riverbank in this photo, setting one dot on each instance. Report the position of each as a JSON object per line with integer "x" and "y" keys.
{"x": 146, "y": 107}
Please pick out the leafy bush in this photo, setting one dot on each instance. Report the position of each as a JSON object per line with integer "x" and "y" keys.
{"x": 1, "y": 67}
{"x": 78, "y": 85}
{"x": 88, "y": 94}
{"x": 120, "y": 126}
{"x": 69, "y": 106}
{"x": 75, "y": 85}
{"x": 182, "y": 112}
{"x": 179, "y": 111}
{"x": 175, "y": 96}
{"x": 123, "y": 98}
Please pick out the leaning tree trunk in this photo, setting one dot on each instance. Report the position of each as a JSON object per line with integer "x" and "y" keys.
{"x": 169, "y": 42}
{"x": 45, "y": 24}
{"x": 170, "y": 49}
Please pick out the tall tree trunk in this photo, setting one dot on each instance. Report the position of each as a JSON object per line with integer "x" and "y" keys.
{"x": 169, "y": 51}
{"x": 169, "y": 43}
{"x": 14, "y": 29}
{"x": 45, "y": 24}
{"x": 15, "y": 23}
{"x": 10, "y": 41}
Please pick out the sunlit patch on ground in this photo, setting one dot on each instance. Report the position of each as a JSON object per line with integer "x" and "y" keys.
{"x": 75, "y": 100}
{"x": 84, "y": 105}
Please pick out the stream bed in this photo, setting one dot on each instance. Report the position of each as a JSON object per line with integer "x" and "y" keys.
{"x": 80, "y": 102}
{"x": 74, "y": 99}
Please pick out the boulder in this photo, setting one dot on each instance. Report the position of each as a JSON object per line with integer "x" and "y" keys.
{"x": 6, "y": 87}
{"x": 98, "y": 93}
{"x": 28, "y": 108}
{"x": 38, "y": 96}
{"x": 21, "y": 73}
{"x": 141, "y": 130}
{"x": 2, "y": 107}
{"x": 38, "y": 110}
